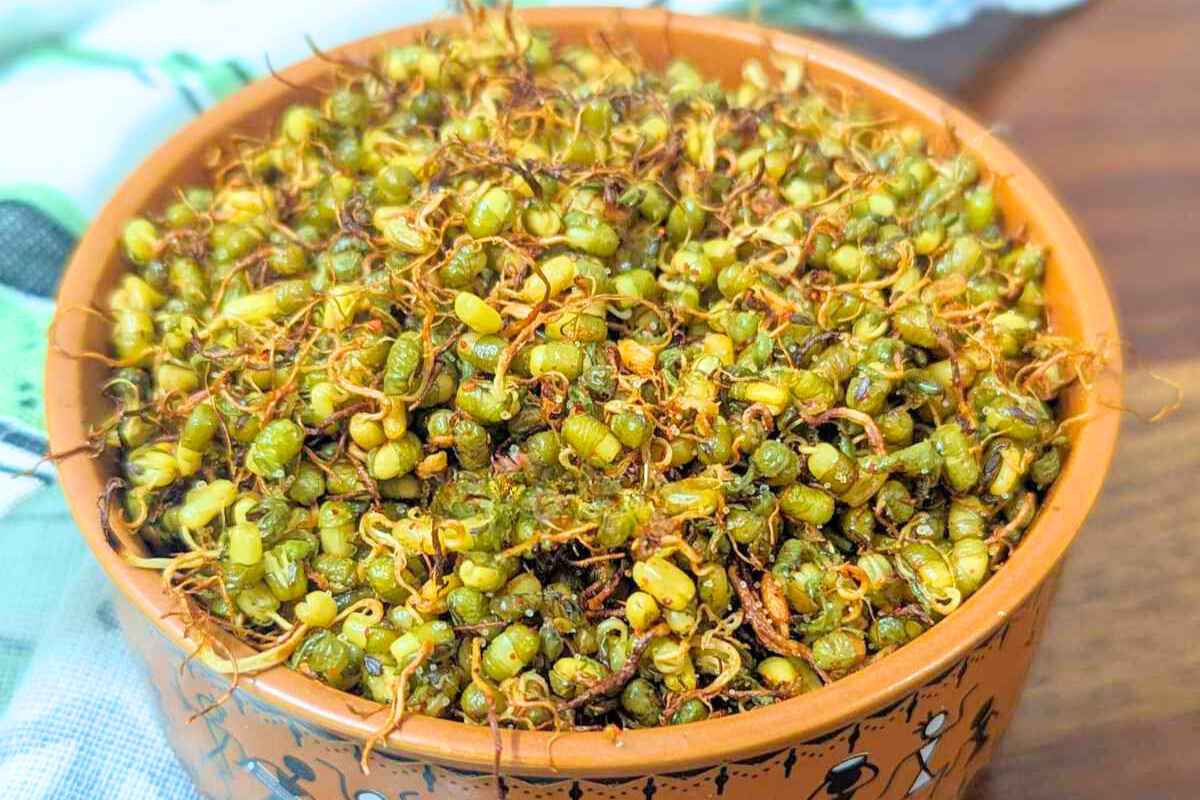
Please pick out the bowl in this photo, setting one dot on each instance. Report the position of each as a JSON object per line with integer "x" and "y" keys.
{"x": 922, "y": 721}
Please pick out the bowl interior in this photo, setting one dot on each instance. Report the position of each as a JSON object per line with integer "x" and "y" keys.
{"x": 1076, "y": 296}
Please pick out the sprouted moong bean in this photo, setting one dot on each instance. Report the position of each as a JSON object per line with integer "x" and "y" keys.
{"x": 521, "y": 384}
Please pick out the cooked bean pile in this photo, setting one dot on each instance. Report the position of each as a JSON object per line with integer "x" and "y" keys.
{"x": 518, "y": 383}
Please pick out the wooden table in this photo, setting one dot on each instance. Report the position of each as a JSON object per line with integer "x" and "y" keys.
{"x": 1105, "y": 102}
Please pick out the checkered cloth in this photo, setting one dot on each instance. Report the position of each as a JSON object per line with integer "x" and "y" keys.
{"x": 89, "y": 88}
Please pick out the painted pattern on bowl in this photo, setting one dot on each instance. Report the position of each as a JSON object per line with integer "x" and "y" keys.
{"x": 928, "y": 743}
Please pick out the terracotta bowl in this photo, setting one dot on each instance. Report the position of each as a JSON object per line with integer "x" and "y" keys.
{"x": 920, "y": 722}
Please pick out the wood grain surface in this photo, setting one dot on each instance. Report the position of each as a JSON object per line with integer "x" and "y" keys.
{"x": 1105, "y": 103}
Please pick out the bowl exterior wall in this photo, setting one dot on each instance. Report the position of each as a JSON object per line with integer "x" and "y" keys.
{"x": 928, "y": 743}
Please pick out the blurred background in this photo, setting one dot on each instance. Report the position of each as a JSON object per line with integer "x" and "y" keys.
{"x": 1100, "y": 96}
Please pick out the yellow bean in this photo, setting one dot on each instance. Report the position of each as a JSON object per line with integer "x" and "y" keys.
{"x": 477, "y": 314}
{"x": 641, "y": 609}
{"x": 559, "y": 271}
{"x": 317, "y": 609}
{"x": 367, "y": 433}
{"x": 206, "y": 502}
{"x": 669, "y": 585}
{"x": 719, "y": 345}
{"x": 245, "y": 544}
{"x": 776, "y": 398}
{"x": 254, "y": 307}
{"x": 636, "y": 357}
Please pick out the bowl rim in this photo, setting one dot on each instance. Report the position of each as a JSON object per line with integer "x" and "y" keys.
{"x": 668, "y": 748}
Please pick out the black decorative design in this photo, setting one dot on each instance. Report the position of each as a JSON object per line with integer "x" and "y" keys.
{"x": 789, "y": 763}
{"x": 979, "y": 725}
{"x": 887, "y": 711}
{"x": 538, "y": 780}
{"x": 621, "y": 781}
{"x": 852, "y": 741}
{"x": 941, "y": 677}
{"x": 389, "y": 756}
{"x": 283, "y": 782}
{"x": 921, "y": 771}
{"x": 980, "y": 734}
{"x": 722, "y": 779}
{"x": 930, "y": 733}
{"x": 343, "y": 785}
{"x": 912, "y": 707}
{"x": 828, "y": 737}
{"x": 759, "y": 759}
{"x": 846, "y": 778}
{"x": 962, "y": 672}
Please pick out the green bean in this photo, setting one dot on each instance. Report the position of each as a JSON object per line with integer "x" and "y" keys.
{"x": 198, "y": 432}
{"x": 309, "y": 484}
{"x": 892, "y": 632}
{"x": 543, "y": 448}
{"x": 403, "y": 360}
{"x": 776, "y": 462}
{"x": 472, "y": 444}
{"x": 462, "y": 268}
{"x": 393, "y": 459}
{"x": 510, "y": 652}
{"x": 744, "y": 525}
{"x": 285, "y": 574}
{"x": 485, "y": 572}
{"x": 806, "y": 504}
{"x": 832, "y": 467}
{"x": 692, "y": 710}
{"x": 631, "y": 428}
{"x": 140, "y": 240}
{"x": 713, "y": 589}
{"x": 692, "y": 496}
{"x": 641, "y": 701}
{"x": 961, "y": 468}
{"x": 667, "y": 583}
{"x": 491, "y": 213}
{"x": 896, "y": 426}
{"x": 719, "y": 448}
{"x": 591, "y": 235}
{"x": 564, "y": 358}
{"x": 868, "y": 391}
{"x": 970, "y": 560}
{"x": 838, "y": 650}
{"x": 686, "y": 220}
{"x": 896, "y": 502}
{"x": 1045, "y": 468}
{"x": 591, "y": 439}
{"x": 274, "y": 447}
{"x": 484, "y": 403}
{"x": 577, "y": 327}
{"x": 915, "y": 324}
